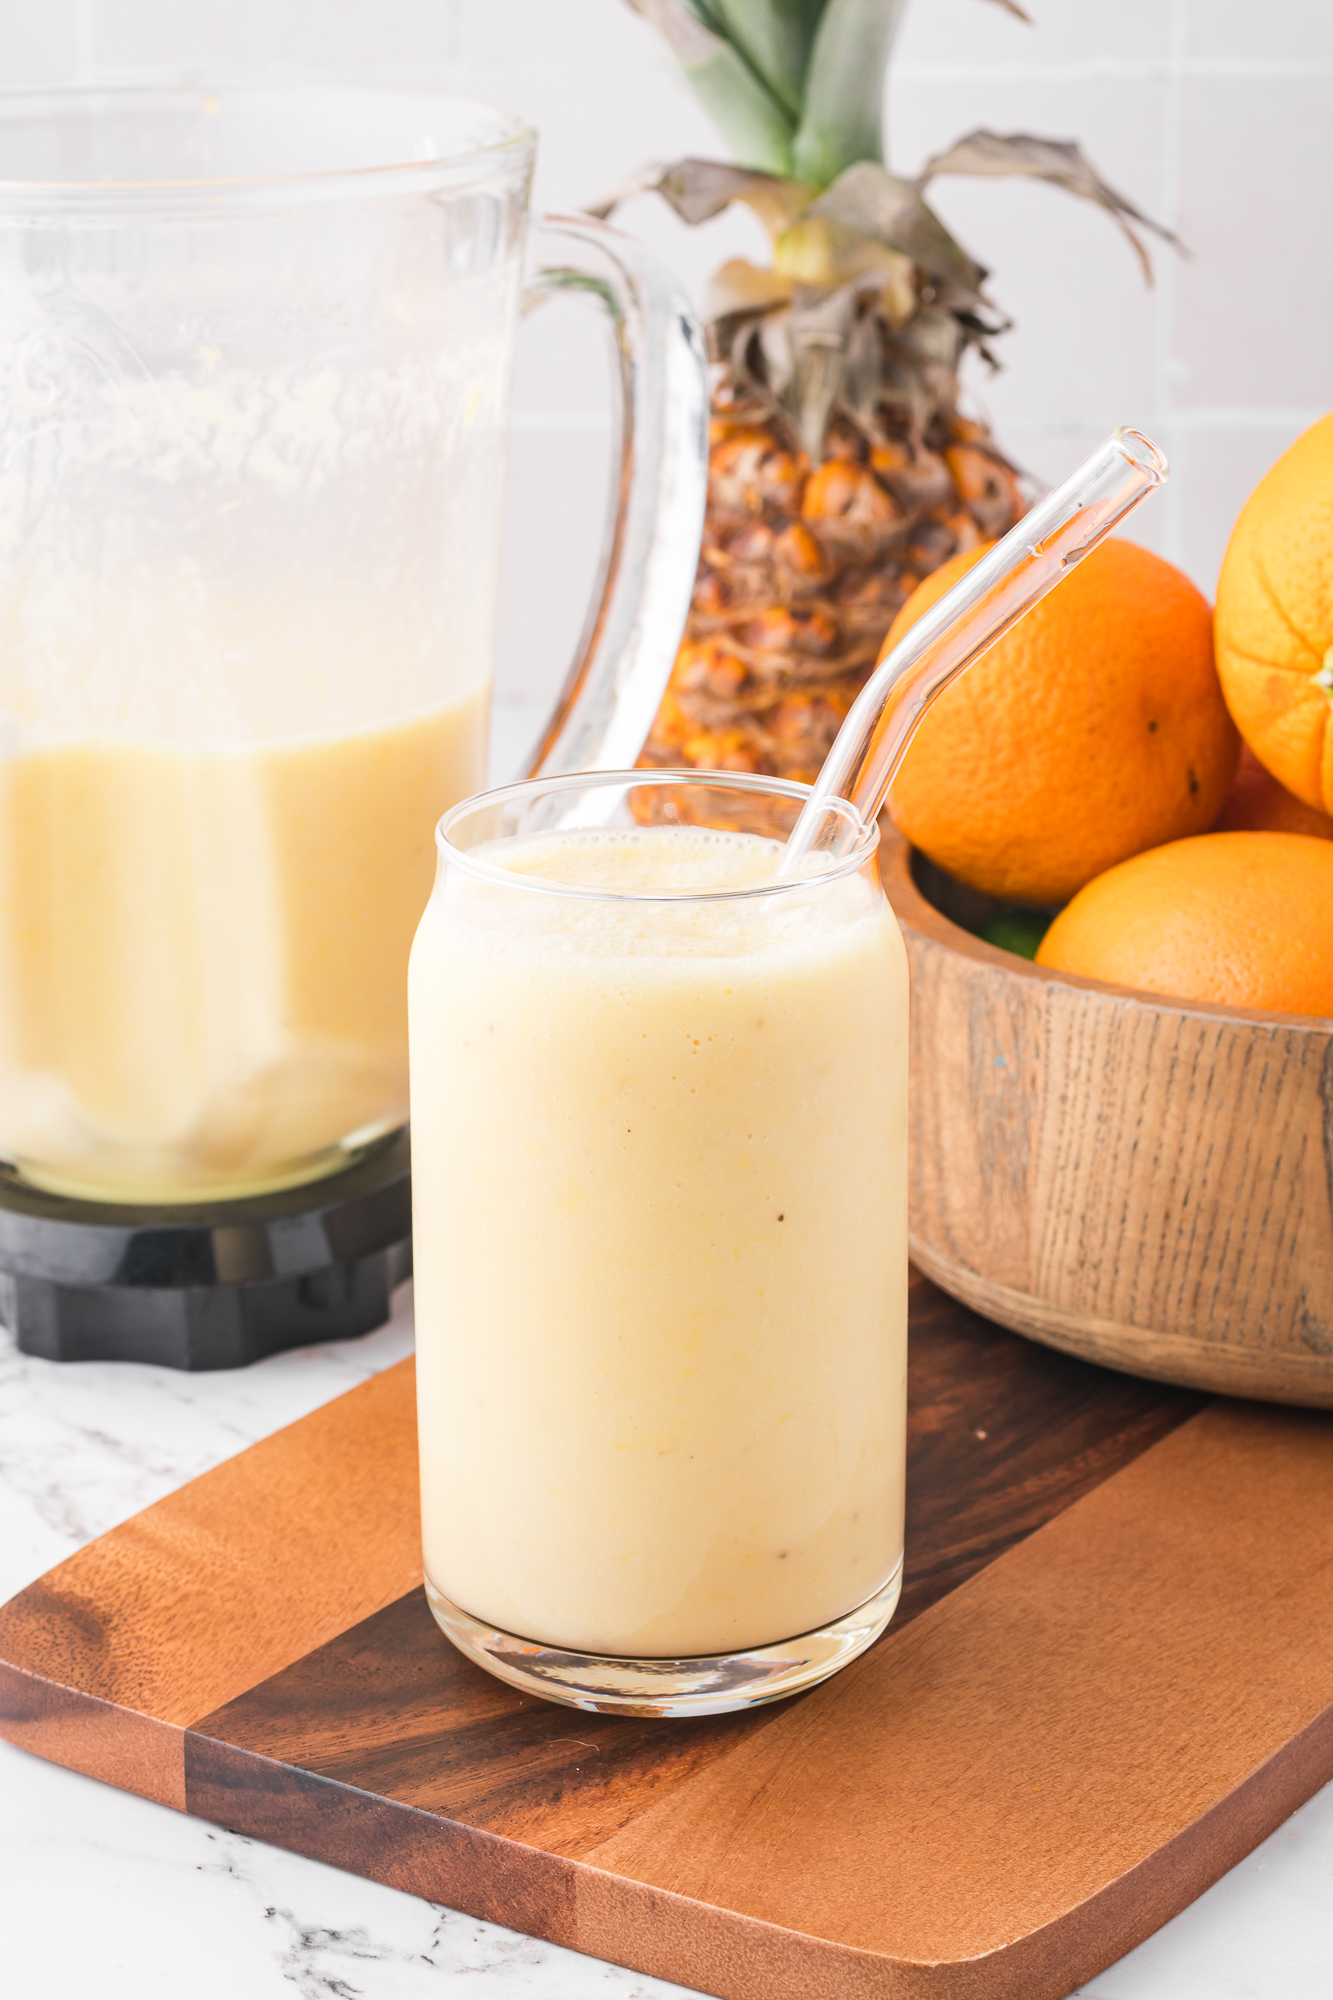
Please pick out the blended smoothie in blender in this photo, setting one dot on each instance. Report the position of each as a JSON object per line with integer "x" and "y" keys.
{"x": 252, "y": 442}
{"x": 203, "y": 951}
{"x": 247, "y": 624}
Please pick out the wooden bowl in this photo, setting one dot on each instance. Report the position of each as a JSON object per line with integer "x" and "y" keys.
{"x": 1147, "y": 1183}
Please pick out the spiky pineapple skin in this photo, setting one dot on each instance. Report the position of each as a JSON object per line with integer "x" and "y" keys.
{"x": 803, "y": 569}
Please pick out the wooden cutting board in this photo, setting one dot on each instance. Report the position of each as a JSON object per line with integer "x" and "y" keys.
{"x": 1111, "y": 1676}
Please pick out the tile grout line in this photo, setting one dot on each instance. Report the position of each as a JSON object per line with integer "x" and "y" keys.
{"x": 1113, "y": 69}
{"x": 1205, "y": 421}
{"x": 1173, "y": 540}
{"x": 85, "y": 40}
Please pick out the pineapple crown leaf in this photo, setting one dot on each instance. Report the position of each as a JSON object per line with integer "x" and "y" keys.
{"x": 738, "y": 289}
{"x": 759, "y": 129}
{"x": 774, "y": 36}
{"x": 867, "y": 232}
{"x": 796, "y": 87}
{"x": 1059, "y": 161}
{"x": 700, "y": 189}
{"x": 686, "y": 29}
{"x": 842, "y": 107}
{"x": 821, "y": 242}
{"x": 875, "y": 203}
{"x": 869, "y": 296}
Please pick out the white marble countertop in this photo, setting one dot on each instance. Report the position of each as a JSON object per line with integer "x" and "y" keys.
{"x": 106, "y": 1897}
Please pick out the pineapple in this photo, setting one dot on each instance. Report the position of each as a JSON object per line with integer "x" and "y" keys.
{"x": 841, "y": 470}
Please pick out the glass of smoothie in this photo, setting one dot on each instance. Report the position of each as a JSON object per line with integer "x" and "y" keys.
{"x": 659, "y": 1105}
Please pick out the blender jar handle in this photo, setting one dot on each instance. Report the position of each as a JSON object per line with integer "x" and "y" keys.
{"x": 658, "y": 486}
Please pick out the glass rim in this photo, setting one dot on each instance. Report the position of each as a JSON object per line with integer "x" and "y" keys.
{"x": 837, "y": 867}
{"x": 466, "y": 168}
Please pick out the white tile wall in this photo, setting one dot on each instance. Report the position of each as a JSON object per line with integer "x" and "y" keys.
{"x": 1212, "y": 115}
{"x": 1215, "y": 115}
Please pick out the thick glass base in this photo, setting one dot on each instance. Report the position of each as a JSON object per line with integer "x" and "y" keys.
{"x": 712, "y": 1685}
{"x": 130, "y": 1184}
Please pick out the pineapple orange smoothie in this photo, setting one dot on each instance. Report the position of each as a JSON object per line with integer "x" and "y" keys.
{"x": 659, "y": 1170}
{"x": 203, "y": 951}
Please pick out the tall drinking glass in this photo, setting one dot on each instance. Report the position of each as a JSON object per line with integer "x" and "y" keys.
{"x": 255, "y": 361}
{"x": 659, "y": 1105}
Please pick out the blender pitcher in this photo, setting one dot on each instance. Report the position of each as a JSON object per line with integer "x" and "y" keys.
{"x": 255, "y": 359}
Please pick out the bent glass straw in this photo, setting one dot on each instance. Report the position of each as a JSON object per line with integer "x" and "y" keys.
{"x": 965, "y": 623}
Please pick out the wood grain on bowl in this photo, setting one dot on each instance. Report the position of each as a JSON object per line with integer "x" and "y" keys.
{"x": 1147, "y": 1183}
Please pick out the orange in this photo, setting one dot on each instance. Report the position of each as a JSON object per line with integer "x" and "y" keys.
{"x": 1244, "y": 918}
{"x": 1093, "y": 729}
{"x": 1257, "y": 803}
{"x": 1275, "y": 619}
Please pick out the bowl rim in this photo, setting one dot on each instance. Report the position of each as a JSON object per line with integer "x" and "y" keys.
{"x": 912, "y": 908}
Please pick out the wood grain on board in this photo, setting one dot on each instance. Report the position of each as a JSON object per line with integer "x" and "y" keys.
{"x": 384, "y": 1704}
{"x": 1144, "y": 1182}
{"x": 107, "y": 1657}
{"x": 1040, "y": 1769}
{"x": 1110, "y": 1676}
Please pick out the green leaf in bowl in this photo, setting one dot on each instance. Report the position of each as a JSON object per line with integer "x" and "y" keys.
{"x": 1019, "y": 931}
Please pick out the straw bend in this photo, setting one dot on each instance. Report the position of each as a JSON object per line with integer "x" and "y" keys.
{"x": 965, "y": 623}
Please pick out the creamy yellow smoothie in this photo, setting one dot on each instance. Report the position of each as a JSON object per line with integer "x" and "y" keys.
{"x": 203, "y": 951}
{"x": 659, "y": 1172}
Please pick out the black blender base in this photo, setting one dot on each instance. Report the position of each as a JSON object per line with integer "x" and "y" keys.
{"x": 207, "y": 1287}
